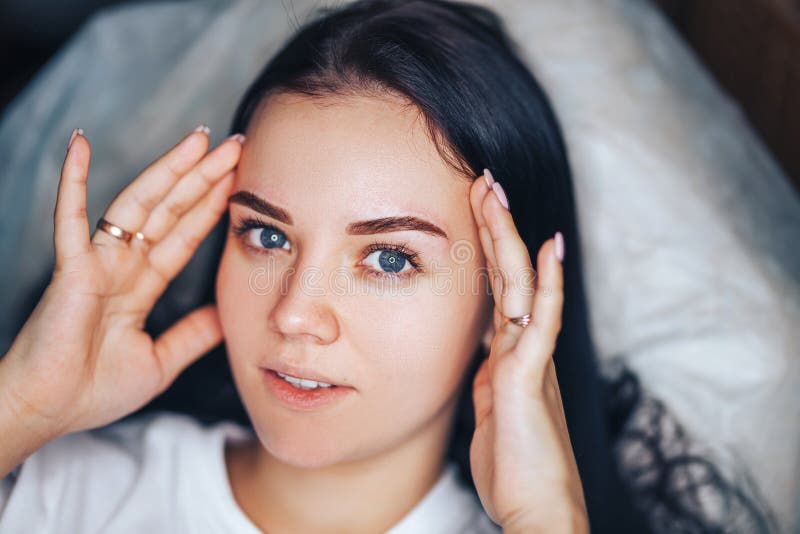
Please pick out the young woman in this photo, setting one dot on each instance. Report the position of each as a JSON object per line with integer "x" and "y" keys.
{"x": 395, "y": 348}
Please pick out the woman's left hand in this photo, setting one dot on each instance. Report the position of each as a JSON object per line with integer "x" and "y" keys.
{"x": 522, "y": 461}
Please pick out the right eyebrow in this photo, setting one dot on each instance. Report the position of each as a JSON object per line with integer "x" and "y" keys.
{"x": 256, "y": 203}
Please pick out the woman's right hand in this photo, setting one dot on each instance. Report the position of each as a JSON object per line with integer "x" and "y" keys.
{"x": 82, "y": 359}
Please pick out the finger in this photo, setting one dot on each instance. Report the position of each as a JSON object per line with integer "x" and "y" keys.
{"x": 513, "y": 264}
{"x": 172, "y": 253}
{"x": 478, "y": 192}
{"x": 70, "y": 224}
{"x": 192, "y": 187}
{"x": 551, "y": 397}
{"x": 494, "y": 274}
{"x": 132, "y": 206}
{"x": 540, "y": 336}
{"x": 185, "y": 341}
{"x": 482, "y": 392}
{"x": 552, "y": 392}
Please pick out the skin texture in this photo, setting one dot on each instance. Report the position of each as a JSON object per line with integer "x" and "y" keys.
{"x": 349, "y": 160}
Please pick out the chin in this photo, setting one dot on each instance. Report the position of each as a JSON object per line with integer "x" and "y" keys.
{"x": 302, "y": 449}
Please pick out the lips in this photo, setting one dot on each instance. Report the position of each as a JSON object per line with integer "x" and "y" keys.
{"x": 304, "y": 399}
{"x": 302, "y": 372}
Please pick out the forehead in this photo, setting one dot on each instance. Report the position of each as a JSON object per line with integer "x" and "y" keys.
{"x": 354, "y": 157}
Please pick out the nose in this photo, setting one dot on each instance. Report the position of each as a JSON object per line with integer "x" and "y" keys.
{"x": 303, "y": 306}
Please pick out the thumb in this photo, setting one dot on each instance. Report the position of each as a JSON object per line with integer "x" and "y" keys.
{"x": 482, "y": 392}
{"x": 187, "y": 340}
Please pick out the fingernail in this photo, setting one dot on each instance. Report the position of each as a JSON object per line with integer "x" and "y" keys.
{"x": 487, "y": 174}
{"x": 202, "y": 128}
{"x": 238, "y": 137}
{"x": 501, "y": 195}
{"x": 559, "y": 248}
{"x": 72, "y": 137}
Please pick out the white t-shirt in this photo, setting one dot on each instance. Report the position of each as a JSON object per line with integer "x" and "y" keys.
{"x": 165, "y": 472}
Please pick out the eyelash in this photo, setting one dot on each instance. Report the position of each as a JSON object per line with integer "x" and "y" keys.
{"x": 245, "y": 224}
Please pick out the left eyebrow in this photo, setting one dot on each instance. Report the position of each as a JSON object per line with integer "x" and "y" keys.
{"x": 372, "y": 226}
{"x": 394, "y": 224}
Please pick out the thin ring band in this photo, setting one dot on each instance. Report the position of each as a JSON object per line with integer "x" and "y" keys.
{"x": 114, "y": 230}
{"x": 140, "y": 236}
{"x": 522, "y": 321}
{"x": 123, "y": 235}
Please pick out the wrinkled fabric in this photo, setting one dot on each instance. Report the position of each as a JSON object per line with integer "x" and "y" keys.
{"x": 689, "y": 228}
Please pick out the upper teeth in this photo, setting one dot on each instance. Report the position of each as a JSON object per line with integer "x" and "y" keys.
{"x": 303, "y": 383}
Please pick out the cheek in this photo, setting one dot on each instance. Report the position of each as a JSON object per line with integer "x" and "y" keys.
{"x": 420, "y": 346}
{"x": 238, "y": 300}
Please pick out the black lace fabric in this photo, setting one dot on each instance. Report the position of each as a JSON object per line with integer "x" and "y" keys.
{"x": 674, "y": 479}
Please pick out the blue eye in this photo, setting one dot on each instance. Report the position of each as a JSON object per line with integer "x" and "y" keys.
{"x": 270, "y": 237}
{"x": 260, "y": 235}
{"x": 267, "y": 237}
{"x": 392, "y": 259}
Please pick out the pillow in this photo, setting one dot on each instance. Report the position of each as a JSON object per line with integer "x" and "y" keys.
{"x": 689, "y": 229}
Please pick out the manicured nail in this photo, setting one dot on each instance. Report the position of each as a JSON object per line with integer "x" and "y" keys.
{"x": 202, "y": 128}
{"x": 75, "y": 133}
{"x": 487, "y": 174}
{"x": 559, "y": 248}
{"x": 238, "y": 137}
{"x": 501, "y": 195}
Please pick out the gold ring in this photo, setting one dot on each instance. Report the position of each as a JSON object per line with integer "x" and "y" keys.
{"x": 522, "y": 321}
{"x": 140, "y": 236}
{"x": 114, "y": 230}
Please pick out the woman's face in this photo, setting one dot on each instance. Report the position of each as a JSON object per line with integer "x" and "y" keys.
{"x": 311, "y": 293}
